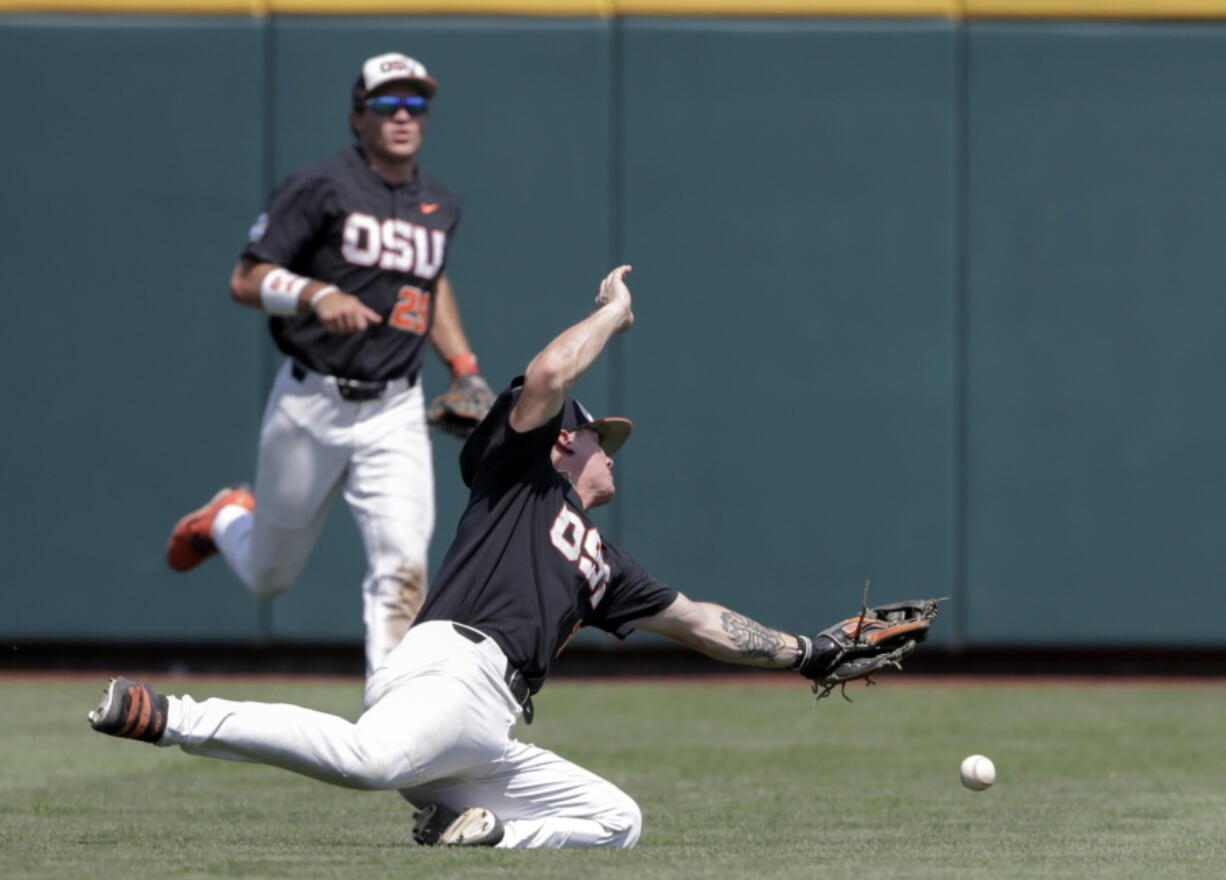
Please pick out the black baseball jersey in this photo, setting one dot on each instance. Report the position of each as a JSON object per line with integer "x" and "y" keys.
{"x": 527, "y": 567}
{"x": 339, "y": 222}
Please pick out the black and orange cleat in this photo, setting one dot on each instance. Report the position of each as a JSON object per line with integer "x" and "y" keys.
{"x": 131, "y": 710}
{"x": 191, "y": 541}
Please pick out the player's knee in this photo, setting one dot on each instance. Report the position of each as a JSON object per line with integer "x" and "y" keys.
{"x": 377, "y": 768}
{"x": 398, "y": 588}
{"x": 396, "y": 575}
{"x": 268, "y": 582}
{"x": 623, "y": 820}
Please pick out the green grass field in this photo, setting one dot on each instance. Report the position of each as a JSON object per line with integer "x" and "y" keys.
{"x": 735, "y": 780}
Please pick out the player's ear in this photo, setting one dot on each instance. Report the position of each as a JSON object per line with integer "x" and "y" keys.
{"x": 565, "y": 442}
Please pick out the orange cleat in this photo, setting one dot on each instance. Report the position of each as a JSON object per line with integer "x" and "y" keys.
{"x": 191, "y": 542}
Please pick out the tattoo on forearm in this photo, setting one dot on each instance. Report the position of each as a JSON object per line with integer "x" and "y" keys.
{"x": 752, "y": 639}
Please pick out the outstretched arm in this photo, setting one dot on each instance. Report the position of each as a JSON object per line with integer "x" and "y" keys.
{"x": 554, "y": 371}
{"x": 858, "y": 647}
{"x": 723, "y": 634}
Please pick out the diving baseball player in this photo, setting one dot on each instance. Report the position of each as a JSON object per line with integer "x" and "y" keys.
{"x": 526, "y": 570}
{"x": 349, "y": 260}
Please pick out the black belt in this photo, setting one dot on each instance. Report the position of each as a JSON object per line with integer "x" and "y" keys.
{"x": 356, "y": 390}
{"x": 514, "y": 678}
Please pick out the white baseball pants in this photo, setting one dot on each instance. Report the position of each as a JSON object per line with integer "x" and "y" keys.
{"x": 439, "y": 729}
{"x": 313, "y": 445}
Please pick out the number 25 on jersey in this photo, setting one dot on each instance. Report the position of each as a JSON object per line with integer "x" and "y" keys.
{"x": 412, "y": 310}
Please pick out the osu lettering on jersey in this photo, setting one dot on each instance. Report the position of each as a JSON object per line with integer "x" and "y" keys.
{"x": 528, "y": 567}
{"x": 340, "y": 222}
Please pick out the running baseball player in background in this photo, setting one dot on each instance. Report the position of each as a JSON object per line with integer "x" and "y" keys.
{"x": 526, "y": 570}
{"x": 350, "y": 262}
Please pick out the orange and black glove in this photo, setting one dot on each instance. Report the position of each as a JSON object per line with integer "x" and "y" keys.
{"x": 458, "y": 410}
{"x": 858, "y": 647}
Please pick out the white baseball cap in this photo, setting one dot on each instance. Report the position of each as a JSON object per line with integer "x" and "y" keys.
{"x": 392, "y": 67}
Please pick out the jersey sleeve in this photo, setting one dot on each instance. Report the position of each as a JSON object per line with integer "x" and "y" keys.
{"x": 632, "y": 595}
{"x": 496, "y": 454}
{"x": 295, "y": 213}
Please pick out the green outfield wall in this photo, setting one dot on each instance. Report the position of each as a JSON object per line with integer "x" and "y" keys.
{"x": 932, "y": 300}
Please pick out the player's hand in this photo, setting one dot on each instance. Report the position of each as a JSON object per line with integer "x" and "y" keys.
{"x": 616, "y": 295}
{"x": 345, "y": 314}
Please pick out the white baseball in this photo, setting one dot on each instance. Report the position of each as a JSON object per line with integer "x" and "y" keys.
{"x": 977, "y": 772}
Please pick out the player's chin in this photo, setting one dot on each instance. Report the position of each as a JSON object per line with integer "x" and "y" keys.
{"x": 603, "y": 494}
{"x": 402, "y": 149}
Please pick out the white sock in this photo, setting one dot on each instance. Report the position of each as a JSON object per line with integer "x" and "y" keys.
{"x": 231, "y": 529}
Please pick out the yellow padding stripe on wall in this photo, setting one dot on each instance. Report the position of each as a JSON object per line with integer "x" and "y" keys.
{"x": 1118, "y": 9}
{"x": 691, "y": 8}
{"x": 140, "y": 7}
{"x": 798, "y": 8}
{"x": 559, "y": 8}
{"x": 1094, "y": 8}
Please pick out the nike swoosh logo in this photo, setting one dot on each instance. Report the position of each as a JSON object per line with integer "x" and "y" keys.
{"x": 429, "y": 207}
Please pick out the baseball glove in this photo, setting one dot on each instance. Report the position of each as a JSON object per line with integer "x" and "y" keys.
{"x": 462, "y": 406}
{"x": 858, "y": 647}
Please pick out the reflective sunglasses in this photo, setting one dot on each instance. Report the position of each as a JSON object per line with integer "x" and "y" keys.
{"x": 387, "y": 105}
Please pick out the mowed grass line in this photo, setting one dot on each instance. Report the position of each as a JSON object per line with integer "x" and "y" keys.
{"x": 735, "y": 780}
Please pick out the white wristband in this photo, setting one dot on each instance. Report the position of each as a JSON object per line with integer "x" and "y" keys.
{"x": 279, "y": 291}
{"x": 321, "y": 293}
